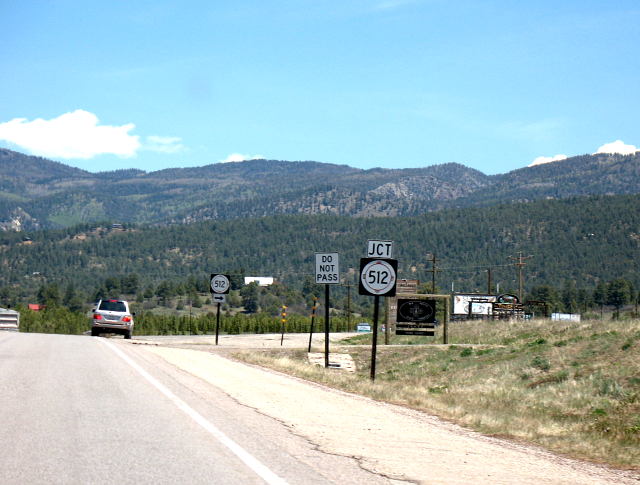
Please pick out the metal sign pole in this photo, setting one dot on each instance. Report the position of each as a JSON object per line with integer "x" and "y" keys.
{"x": 217, "y": 323}
{"x": 219, "y": 286}
{"x": 374, "y": 345}
{"x": 326, "y": 325}
{"x": 327, "y": 273}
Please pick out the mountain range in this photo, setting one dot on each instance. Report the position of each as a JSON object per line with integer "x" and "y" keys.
{"x": 36, "y": 193}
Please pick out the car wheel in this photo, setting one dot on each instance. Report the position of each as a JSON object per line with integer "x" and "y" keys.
{"x": 95, "y": 332}
{"x": 127, "y": 334}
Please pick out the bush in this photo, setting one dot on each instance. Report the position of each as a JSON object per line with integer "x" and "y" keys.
{"x": 54, "y": 319}
{"x": 541, "y": 363}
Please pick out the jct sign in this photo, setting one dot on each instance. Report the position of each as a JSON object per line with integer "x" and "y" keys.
{"x": 327, "y": 269}
{"x": 379, "y": 249}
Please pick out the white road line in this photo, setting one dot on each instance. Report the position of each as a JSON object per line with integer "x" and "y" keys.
{"x": 253, "y": 463}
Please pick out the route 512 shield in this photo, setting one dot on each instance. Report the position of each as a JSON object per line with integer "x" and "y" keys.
{"x": 219, "y": 284}
{"x": 378, "y": 277}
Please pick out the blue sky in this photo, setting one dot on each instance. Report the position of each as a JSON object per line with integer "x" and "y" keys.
{"x": 493, "y": 85}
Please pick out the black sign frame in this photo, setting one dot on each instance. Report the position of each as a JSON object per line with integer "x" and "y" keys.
{"x": 393, "y": 263}
{"x": 413, "y": 310}
{"x": 214, "y": 275}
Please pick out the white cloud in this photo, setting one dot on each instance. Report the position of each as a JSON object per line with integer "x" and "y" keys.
{"x": 541, "y": 160}
{"x": 70, "y": 135}
{"x": 163, "y": 144}
{"x": 617, "y": 146}
{"x": 239, "y": 157}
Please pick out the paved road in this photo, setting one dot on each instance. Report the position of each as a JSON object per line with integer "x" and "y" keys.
{"x": 79, "y": 409}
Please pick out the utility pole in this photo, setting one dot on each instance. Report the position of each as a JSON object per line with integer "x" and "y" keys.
{"x": 489, "y": 281}
{"x": 520, "y": 264}
{"x": 433, "y": 271}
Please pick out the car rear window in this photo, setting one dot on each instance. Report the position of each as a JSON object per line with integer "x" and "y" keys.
{"x": 112, "y": 306}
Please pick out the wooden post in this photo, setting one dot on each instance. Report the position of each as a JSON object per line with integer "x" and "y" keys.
{"x": 445, "y": 329}
{"x": 387, "y": 330}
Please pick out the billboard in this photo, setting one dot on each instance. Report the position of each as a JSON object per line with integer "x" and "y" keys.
{"x": 567, "y": 317}
{"x": 480, "y": 304}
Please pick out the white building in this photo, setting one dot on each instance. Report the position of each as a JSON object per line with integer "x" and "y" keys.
{"x": 261, "y": 280}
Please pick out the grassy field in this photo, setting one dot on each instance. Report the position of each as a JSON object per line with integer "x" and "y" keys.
{"x": 573, "y": 388}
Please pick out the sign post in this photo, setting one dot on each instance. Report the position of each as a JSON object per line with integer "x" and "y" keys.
{"x": 283, "y": 315}
{"x": 327, "y": 273}
{"x": 378, "y": 278}
{"x": 219, "y": 286}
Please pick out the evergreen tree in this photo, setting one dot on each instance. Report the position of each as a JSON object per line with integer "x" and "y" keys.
{"x": 112, "y": 285}
{"x": 585, "y": 300}
{"x": 7, "y": 297}
{"x": 237, "y": 278}
{"x": 101, "y": 292}
{"x": 600, "y": 296}
{"x": 72, "y": 299}
{"x": 164, "y": 292}
{"x": 49, "y": 295}
{"x": 548, "y": 294}
{"x": 618, "y": 294}
{"x": 250, "y": 294}
{"x": 569, "y": 296}
{"x": 129, "y": 284}
{"x": 310, "y": 288}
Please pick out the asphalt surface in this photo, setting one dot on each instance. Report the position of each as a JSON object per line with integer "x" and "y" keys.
{"x": 79, "y": 409}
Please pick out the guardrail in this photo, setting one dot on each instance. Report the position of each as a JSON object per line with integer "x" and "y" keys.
{"x": 9, "y": 319}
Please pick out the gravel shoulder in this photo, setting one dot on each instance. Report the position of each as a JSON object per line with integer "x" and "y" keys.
{"x": 386, "y": 439}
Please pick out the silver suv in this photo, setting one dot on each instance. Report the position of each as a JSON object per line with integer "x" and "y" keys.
{"x": 112, "y": 316}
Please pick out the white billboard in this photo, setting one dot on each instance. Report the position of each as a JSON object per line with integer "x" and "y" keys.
{"x": 568, "y": 317}
{"x": 480, "y": 304}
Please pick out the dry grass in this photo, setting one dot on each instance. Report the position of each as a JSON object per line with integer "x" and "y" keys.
{"x": 571, "y": 387}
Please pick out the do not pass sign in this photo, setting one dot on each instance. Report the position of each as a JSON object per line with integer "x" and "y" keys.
{"x": 327, "y": 269}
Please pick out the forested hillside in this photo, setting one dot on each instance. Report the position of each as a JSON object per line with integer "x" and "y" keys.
{"x": 577, "y": 176}
{"x": 582, "y": 240}
{"x": 36, "y": 193}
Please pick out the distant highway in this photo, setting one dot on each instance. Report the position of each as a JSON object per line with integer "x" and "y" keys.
{"x": 79, "y": 409}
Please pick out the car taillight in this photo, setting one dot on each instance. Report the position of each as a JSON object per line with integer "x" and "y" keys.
{"x": 97, "y": 316}
{"x": 126, "y": 319}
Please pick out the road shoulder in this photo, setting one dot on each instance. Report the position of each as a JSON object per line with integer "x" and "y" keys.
{"x": 386, "y": 439}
